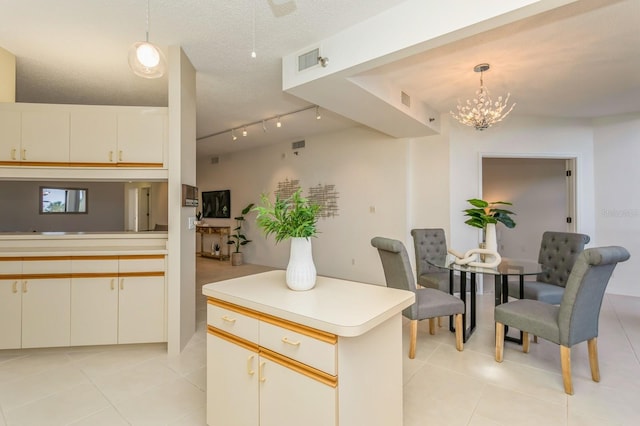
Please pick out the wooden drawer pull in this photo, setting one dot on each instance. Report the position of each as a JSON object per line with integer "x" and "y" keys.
{"x": 121, "y": 283}
{"x": 289, "y": 342}
{"x": 227, "y": 319}
{"x": 13, "y": 154}
{"x": 112, "y": 284}
{"x": 250, "y": 365}
{"x": 15, "y": 286}
{"x": 24, "y": 286}
{"x": 261, "y": 372}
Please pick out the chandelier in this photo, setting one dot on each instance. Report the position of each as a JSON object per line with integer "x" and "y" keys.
{"x": 481, "y": 112}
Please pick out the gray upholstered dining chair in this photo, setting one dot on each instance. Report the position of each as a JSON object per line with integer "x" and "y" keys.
{"x": 430, "y": 303}
{"x": 575, "y": 320}
{"x": 558, "y": 253}
{"x": 430, "y": 244}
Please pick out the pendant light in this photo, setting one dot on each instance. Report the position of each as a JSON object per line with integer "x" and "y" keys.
{"x": 145, "y": 58}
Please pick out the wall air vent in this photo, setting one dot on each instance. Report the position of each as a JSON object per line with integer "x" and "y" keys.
{"x": 297, "y": 145}
{"x": 309, "y": 59}
{"x": 405, "y": 99}
{"x": 215, "y": 160}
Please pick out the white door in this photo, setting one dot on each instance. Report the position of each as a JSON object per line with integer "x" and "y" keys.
{"x": 10, "y": 135}
{"x": 289, "y": 398}
{"x": 93, "y": 137}
{"x": 10, "y": 314}
{"x": 232, "y": 384}
{"x": 46, "y": 308}
{"x": 141, "y": 317}
{"x": 94, "y": 311}
{"x": 45, "y": 136}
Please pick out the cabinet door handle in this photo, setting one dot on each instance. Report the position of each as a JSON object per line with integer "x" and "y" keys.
{"x": 110, "y": 156}
{"x": 250, "y": 365}
{"x": 227, "y": 319}
{"x": 24, "y": 286}
{"x": 113, "y": 287}
{"x": 15, "y": 286}
{"x": 121, "y": 283}
{"x": 289, "y": 342}
{"x": 261, "y": 372}
{"x": 120, "y": 155}
{"x": 24, "y": 154}
{"x": 13, "y": 154}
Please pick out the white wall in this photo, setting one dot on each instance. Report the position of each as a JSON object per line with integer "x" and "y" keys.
{"x": 368, "y": 170}
{"x": 617, "y": 207}
{"x": 518, "y": 136}
{"x": 425, "y": 183}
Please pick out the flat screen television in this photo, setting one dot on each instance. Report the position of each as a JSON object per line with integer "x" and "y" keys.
{"x": 216, "y": 204}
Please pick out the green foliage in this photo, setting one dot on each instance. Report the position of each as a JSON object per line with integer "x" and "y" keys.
{"x": 485, "y": 212}
{"x": 289, "y": 218}
{"x": 238, "y": 238}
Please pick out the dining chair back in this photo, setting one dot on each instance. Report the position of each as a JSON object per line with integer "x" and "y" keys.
{"x": 430, "y": 245}
{"x": 575, "y": 320}
{"x": 430, "y": 303}
{"x": 558, "y": 253}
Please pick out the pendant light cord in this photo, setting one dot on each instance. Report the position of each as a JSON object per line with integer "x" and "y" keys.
{"x": 148, "y": 2}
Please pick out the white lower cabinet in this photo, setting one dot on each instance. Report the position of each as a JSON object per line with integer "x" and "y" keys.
{"x": 94, "y": 311}
{"x": 141, "y": 302}
{"x": 10, "y": 314}
{"x": 246, "y": 387}
{"x": 46, "y": 312}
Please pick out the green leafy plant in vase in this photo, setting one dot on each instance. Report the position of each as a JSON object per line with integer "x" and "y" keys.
{"x": 485, "y": 215}
{"x": 238, "y": 238}
{"x": 292, "y": 218}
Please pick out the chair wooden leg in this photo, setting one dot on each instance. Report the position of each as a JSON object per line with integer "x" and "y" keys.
{"x": 459, "y": 333}
{"x": 565, "y": 360}
{"x": 499, "y": 341}
{"x": 535, "y": 339}
{"x": 413, "y": 334}
{"x": 439, "y": 321}
{"x": 592, "y": 345}
{"x": 432, "y": 326}
{"x": 525, "y": 342}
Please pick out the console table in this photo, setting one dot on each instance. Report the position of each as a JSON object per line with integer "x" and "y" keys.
{"x": 221, "y": 234}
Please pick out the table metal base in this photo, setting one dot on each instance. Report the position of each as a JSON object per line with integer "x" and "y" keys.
{"x": 463, "y": 296}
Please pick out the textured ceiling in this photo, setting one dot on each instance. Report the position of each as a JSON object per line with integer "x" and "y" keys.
{"x": 581, "y": 60}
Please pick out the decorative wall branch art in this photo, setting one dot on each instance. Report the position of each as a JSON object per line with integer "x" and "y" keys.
{"x": 325, "y": 196}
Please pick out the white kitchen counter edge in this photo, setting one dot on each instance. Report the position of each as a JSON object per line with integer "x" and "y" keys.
{"x": 344, "y": 308}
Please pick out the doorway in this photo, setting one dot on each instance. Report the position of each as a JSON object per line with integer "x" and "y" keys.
{"x": 542, "y": 191}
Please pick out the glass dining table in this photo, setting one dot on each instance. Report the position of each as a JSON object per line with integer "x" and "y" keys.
{"x": 501, "y": 273}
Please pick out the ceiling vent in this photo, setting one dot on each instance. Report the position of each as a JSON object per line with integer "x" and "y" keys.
{"x": 309, "y": 59}
{"x": 297, "y": 145}
{"x": 405, "y": 99}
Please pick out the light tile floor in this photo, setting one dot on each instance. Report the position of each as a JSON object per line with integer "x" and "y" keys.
{"x": 141, "y": 385}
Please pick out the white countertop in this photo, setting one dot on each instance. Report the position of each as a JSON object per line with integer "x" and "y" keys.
{"x": 344, "y": 308}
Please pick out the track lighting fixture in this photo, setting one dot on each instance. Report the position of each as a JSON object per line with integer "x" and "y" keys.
{"x": 263, "y": 122}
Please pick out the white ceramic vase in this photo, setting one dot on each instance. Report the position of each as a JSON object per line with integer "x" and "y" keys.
{"x": 490, "y": 240}
{"x": 301, "y": 272}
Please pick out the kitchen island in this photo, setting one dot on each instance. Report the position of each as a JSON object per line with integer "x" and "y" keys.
{"x": 328, "y": 356}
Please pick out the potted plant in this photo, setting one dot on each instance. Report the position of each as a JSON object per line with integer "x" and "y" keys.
{"x": 485, "y": 215}
{"x": 198, "y": 218}
{"x": 293, "y": 218}
{"x": 238, "y": 239}
{"x": 216, "y": 249}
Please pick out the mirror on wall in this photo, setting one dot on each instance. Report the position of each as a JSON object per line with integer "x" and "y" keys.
{"x": 63, "y": 200}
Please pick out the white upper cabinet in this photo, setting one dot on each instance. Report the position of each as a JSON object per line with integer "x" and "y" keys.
{"x": 82, "y": 135}
{"x": 94, "y": 136}
{"x": 45, "y": 136}
{"x": 141, "y": 137}
{"x": 9, "y": 134}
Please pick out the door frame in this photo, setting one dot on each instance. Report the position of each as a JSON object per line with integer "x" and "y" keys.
{"x": 571, "y": 163}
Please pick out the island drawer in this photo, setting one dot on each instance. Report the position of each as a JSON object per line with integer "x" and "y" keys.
{"x": 233, "y": 322}
{"x": 300, "y": 343}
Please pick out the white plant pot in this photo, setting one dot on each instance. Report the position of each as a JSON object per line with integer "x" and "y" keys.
{"x": 301, "y": 272}
{"x": 490, "y": 240}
